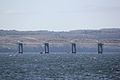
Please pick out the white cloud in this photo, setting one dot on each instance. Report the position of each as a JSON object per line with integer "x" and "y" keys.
{"x": 14, "y": 12}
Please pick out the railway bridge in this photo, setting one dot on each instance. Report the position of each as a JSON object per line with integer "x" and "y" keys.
{"x": 73, "y": 43}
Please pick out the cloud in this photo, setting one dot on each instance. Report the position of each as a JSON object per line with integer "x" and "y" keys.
{"x": 14, "y": 12}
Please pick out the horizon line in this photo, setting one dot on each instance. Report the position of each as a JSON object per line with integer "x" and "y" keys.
{"x": 55, "y": 30}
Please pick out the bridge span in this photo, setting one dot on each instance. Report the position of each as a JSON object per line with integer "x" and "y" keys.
{"x": 73, "y": 43}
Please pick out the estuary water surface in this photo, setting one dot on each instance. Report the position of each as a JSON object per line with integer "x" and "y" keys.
{"x": 60, "y": 66}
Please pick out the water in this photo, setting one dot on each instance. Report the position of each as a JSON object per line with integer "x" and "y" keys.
{"x": 60, "y": 66}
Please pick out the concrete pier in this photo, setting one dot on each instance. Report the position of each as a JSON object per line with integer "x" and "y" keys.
{"x": 73, "y": 48}
{"x": 46, "y": 47}
{"x": 20, "y": 48}
{"x": 100, "y": 48}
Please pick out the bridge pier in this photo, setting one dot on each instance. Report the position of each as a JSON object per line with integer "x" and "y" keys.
{"x": 100, "y": 48}
{"x": 46, "y": 48}
{"x": 73, "y": 48}
{"x": 20, "y": 48}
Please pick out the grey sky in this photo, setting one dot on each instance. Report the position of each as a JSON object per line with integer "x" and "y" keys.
{"x": 59, "y": 14}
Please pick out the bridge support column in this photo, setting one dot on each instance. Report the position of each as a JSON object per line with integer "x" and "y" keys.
{"x": 73, "y": 48}
{"x": 46, "y": 48}
{"x": 100, "y": 48}
{"x": 20, "y": 48}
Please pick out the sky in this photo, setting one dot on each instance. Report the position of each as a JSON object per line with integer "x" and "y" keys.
{"x": 59, "y": 15}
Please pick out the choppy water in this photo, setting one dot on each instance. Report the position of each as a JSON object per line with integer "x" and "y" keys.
{"x": 60, "y": 66}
